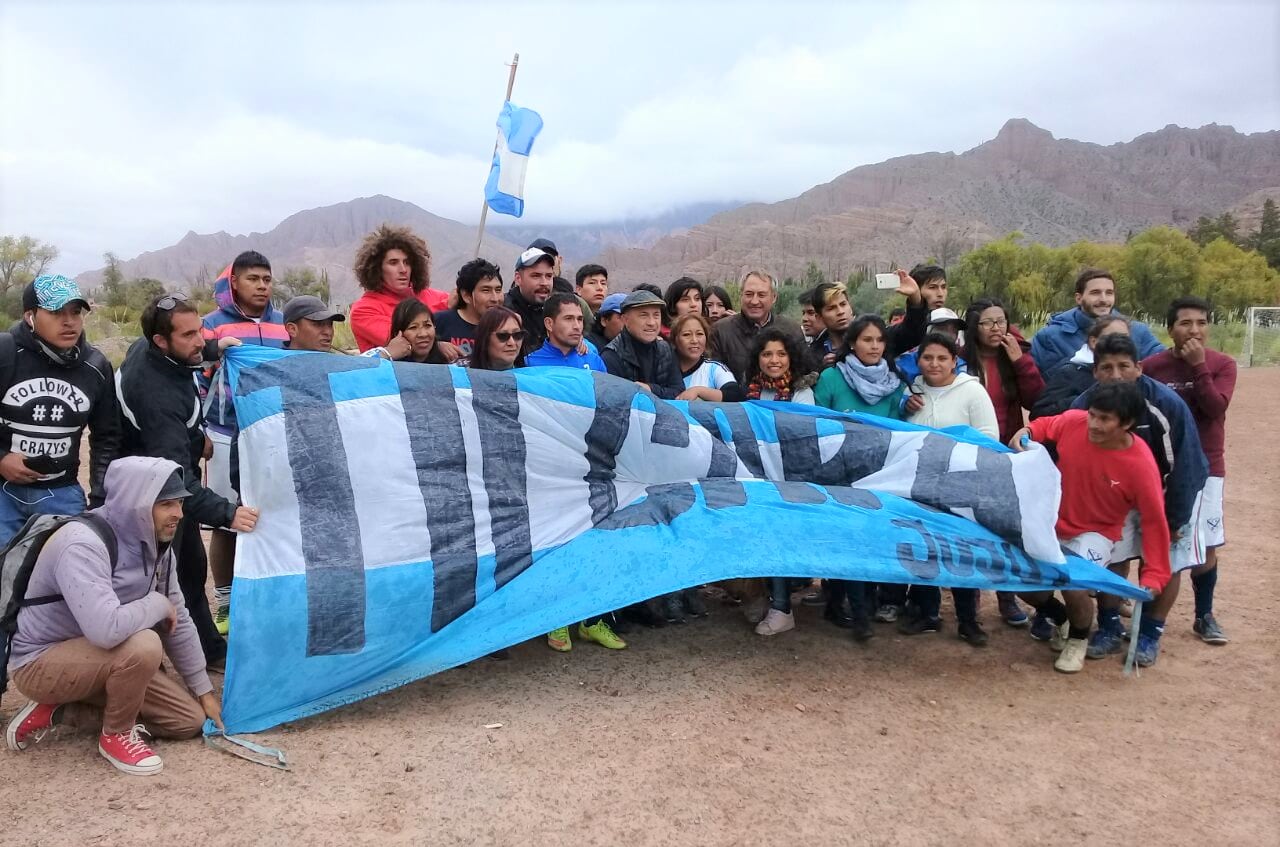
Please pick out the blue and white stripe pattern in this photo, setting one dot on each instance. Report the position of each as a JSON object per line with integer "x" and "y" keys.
{"x": 415, "y": 517}
{"x": 517, "y": 129}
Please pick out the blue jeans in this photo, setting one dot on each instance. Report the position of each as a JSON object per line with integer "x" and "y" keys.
{"x": 19, "y": 502}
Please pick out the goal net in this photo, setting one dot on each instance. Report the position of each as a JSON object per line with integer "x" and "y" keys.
{"x": 1261, "y": 337}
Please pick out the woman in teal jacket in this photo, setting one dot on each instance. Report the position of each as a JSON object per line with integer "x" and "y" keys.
{"x": 863, "y": 381}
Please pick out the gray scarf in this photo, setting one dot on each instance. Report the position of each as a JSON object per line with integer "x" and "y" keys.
{"x": 872, "y": 384}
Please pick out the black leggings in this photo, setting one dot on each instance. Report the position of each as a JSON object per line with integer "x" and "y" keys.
{"x": 193, "y": 572}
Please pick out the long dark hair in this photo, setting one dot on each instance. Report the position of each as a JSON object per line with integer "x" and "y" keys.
{"x": 859, "y": 326}
{"x": 406, "y": 312}
{"x": 490, "y": 323}
{"x": 796, "y": 353}
{"x": 721, "y": 295}
{"x": 972, "y": 357}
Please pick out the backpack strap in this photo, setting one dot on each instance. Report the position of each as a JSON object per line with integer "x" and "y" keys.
{"x": 105, "y": 534}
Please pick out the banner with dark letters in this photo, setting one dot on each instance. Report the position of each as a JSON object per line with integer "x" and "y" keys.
{"x": 416, "y": 517}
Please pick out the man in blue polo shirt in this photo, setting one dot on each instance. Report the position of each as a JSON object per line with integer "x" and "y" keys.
{"x": 562, "y": 317}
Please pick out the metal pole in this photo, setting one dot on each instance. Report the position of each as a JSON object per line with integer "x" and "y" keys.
{"x": 484, "y": 206}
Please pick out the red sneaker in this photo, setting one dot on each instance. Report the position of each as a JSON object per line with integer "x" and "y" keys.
{"x": 30, "y": 725}
{"x": 128, "y": 752}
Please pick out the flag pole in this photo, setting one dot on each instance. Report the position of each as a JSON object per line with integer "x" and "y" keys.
{"x": 484, "y": 207}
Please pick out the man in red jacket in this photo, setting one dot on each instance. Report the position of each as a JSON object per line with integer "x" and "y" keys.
{"x": 391, "y": 265}
{"x": 1106, "y": 473}
{"x": 1205, "y": 379}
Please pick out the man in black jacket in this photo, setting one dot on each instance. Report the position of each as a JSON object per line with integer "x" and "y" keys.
{"x": 530, "y": 288}
{"x": 161, "y": 409}
{"x": 638, "y": 354}
{"x": 53, "y": 384}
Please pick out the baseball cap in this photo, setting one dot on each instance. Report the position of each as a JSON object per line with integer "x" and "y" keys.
{"x": 546, "y": 245}
{"x": 532, "y": 256}
{"x": 310, "y": 307}
{"x": 51, "y": 293}
{"x": 612, "y": 304}
{"x": 174, "y": 487}
{"x": 944, "y": 316}
{"x": 640, "y": 297}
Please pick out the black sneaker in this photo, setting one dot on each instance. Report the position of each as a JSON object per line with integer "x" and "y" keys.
{"x": 693, "y": 603}
{"x": 918, "y": 625}
{"x": 972, "y": 632}
{"x": 644, "y": 615}
{"x": 862, "y": 630}
{"x": 672, "y": 608}
{"x": 618, "y": 622}
{"x": 839, "y": 615}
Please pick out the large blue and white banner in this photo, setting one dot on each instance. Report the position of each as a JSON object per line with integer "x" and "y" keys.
{"x": 517, "y": 130}
{"x": 415, "y": 517}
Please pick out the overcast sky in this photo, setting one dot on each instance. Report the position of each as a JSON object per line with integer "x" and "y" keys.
{"x": 124, "y": 126}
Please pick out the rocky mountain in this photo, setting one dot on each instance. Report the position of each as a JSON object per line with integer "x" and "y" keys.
{"x": 324, "y": 238}
{"x": 906, "y": 209}
{"x": 577, "y": 243}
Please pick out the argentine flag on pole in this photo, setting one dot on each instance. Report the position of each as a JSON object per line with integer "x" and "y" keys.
{"x": 517, "y": 128}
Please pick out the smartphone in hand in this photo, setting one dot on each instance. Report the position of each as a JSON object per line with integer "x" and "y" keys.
{"x": 887, "y": 282}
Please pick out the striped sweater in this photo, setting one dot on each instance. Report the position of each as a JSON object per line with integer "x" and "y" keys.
{"x": 228, "y": 321}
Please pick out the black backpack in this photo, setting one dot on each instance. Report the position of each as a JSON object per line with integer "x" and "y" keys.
{"x": 18, "y": 560}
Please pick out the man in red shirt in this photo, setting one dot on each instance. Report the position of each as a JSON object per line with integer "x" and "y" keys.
{"x": 1106, "y": 473}
{"x": 1205, "y": 379}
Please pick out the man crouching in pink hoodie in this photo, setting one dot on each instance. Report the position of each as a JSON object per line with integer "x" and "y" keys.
{"x": 97, "y": 637}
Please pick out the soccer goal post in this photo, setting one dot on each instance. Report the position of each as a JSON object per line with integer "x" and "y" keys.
{"x": 1261, "y": 337}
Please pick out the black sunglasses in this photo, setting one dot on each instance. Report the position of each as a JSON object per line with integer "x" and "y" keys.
{"x": 169, "y": 301}
{"x": 504, "y": 337}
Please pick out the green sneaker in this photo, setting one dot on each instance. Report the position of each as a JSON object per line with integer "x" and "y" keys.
{"x": 222, "y": 618}
{"x": 558, "y": 640}
{"x": 601, "y": 634}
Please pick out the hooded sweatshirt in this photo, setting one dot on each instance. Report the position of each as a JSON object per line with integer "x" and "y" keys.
{"x": 108, "y": 608}
{"x": 229, "y": 321}
{"x": 962, "y": 403}
{"x": 1059, "y": 339}
{"x": 47, "y": 404}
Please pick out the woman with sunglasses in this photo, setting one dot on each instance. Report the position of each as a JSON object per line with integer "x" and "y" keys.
{"x": 499, "y": 338}
{"x": 1000, "y": 358}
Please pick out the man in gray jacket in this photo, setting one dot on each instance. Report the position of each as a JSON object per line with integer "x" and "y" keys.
{"x": 98, "y": 634}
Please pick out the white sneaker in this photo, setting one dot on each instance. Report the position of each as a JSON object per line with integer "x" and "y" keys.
{"x": 1058, "y": 641}
{"x": 776, "y": 623}
{"x": 1071, "y": 659}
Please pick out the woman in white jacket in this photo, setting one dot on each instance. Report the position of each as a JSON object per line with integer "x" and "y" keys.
{"x": 950, "y": 399}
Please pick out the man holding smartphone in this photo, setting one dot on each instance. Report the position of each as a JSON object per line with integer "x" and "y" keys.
{"x": 53, "y": 384}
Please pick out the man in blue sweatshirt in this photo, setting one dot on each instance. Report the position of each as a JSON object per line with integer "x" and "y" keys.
{"x": 1067, "y": 331}
{"x": 563, "y": 322}
{"x": 90, "y": 633}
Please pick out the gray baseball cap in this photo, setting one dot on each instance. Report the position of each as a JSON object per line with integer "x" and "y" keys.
{"x": 640, "y": 297}
{"x": 309, "y": 307}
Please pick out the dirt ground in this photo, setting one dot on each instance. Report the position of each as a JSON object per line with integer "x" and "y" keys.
{"x": 707, "y": 734}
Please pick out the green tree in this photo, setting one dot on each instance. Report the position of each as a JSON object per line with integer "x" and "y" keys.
{"x": 139, "y": 292}
{"x": 1266, "y": 238}
{"x": 22, "y": 259}
{"x": 1234, "y": 279}
{"x": 813, "y": 275}
{"x": 113, "y": 285}
{"x": 295, "y": 282}
{"x": 1160, "y": 264}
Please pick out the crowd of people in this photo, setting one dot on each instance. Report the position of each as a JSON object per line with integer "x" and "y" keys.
{"x": 1137, "y": 431}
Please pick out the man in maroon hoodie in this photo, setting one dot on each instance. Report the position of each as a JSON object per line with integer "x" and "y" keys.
{"x": 1205, "y": 379}
{"x": 95, "y": 635}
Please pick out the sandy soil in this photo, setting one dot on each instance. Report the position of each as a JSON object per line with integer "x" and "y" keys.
{"x": 708, "y": 734}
